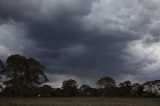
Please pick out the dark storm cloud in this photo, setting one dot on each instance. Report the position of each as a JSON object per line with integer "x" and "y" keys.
{"x": 43, "y": 10}
{"x": 75, "y": 51}
{"x": 138, "y": 20}
{"x": 89, "y": 38}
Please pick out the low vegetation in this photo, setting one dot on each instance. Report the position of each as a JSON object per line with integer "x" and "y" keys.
{"x": 78, "y": 102}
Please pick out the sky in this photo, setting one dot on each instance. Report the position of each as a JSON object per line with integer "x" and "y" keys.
{"x": 84, "y": 39}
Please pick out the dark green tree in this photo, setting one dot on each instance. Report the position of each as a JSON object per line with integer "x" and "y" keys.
{"x": 70, "y": 88}
{"x": 126, "y": 88}
{"x": 24, "y": 74}
{"x": 125, "y": 84}
{"x": 45, "y": 91}
{"x": 85, "y": 90}
{"x": 140, "y": 91}
{"x": 1, "y": 69}
{"x": 58, "y": 92}
{"x": 108, "y": 84}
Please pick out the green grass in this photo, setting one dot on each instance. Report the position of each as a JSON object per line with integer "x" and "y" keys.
{"x": 78, "y": 102}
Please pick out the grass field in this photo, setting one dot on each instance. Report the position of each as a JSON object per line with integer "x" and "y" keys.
{"x": 78, "y": 102}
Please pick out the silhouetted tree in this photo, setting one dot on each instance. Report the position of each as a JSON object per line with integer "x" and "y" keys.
{"x": 125, "y": 88}
{"x": 85, "y": 90}
{"x": 125, "y": 84}
{"x": 24, "y": 75}
{"x": 70, "y": 88}
{"x": 45, "y": 91}
{"x": 152, "y": 88}
{"x": 140, "y": 91}
{"x": 58, "y": 92}
{"x": 1, "y": 65}
{"x": 107, "y": 83}
{"x": 1, "y": 69}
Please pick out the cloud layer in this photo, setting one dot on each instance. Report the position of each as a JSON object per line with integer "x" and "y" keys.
{"x": 85, "y": 39}
{"x": 13, "y": 38}
{"x": 138, "y": 22}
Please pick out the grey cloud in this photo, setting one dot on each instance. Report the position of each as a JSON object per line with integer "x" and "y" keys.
{"x": 43, "y": 10}
{"x": 89, "y": 38}
{"x": 132, "y": 17}
{"x": 138, "y": 21}
{"x": 58, "y": 79}
{"x": 13, "y": 39}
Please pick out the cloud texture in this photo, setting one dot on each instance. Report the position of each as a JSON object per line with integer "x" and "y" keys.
{"x": 85, "y": 39}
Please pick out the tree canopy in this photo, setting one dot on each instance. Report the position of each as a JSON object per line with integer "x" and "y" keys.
{"x": 23, "y": 74}
{"x": 106, "y": 82}
{"x": 125, "y": 84}
{"x": 70, "y": 87}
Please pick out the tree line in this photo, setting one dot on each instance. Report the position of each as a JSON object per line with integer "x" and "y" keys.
{"x": 25, "y": 77}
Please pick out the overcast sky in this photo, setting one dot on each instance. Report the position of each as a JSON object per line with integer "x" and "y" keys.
{"x": 85, "y": 39}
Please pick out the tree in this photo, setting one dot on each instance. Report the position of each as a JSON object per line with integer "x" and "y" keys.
{"x": 140, "y": 91}
{"x": 125, "y": 84}
{"x": 1, "y": 69}
{"x": 45, "y": 91}
{"x": 1, "y": 65}
{"x": 126, "y": 88}
{"x": 24, "y": 75}
{"x": 106, "y": 82}
{"x": 58, "y": 92}
{"x": 70, "y": 88}
{"x": 85, "y": 90}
